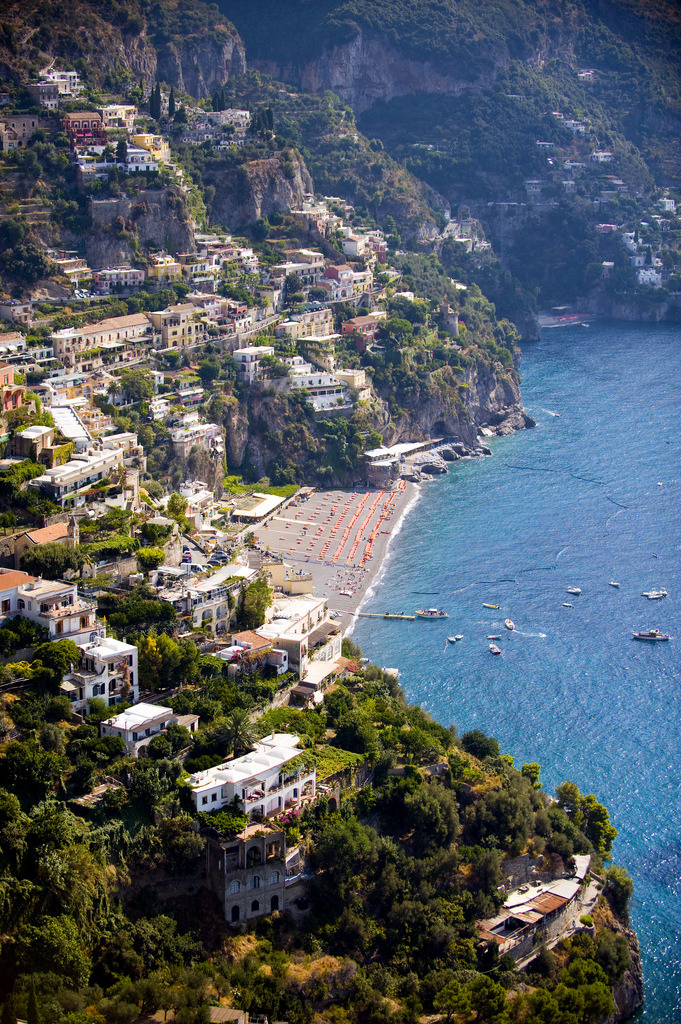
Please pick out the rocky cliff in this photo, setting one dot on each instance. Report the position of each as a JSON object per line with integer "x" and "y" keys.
{"x": 488, "y": 399}
{"x": 154, "y": 215}
{"x": 628, "y": 993}
{"x": 200, "y": 65}
{"x": 188, "y": 45}
{"x": 257, "y": 189}
{"x": 364, "y": 70}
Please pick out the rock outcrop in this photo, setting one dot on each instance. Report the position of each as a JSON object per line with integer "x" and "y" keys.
{"x": 257, "y": 189}
{"x": 201, "y": 64}
{"x": 628, "y": 993}
{"x": 154, "y": 215}
{"x": 364, "y": 70}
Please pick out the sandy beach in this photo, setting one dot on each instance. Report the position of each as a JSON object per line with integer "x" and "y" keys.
{"x": 341, "y": 538}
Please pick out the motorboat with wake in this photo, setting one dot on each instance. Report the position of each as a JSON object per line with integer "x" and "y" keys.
{"x": 454, "y": 639}
{"x": 509, "y": 624}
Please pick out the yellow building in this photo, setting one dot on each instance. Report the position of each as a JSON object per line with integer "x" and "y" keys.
{"x": 164, "y": 268}
{"x": 154, "y": 144}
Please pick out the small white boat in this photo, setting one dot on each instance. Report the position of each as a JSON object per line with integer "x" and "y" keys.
{"x": 431, "y": 613}
{"x": 573, "y": 590}
{"x": 453, "y": 639}
{"x": 494, "y": 636}
{"x": 566, "y": 604}
{"x": 613, "y": 584}
{"x": 654, "y": 595}
{"x": 493, "y": 649}
{"x": 509, "y": 624}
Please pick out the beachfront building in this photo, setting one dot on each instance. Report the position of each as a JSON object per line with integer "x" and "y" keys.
{"x": 261, "y": 782}
{"x": 139, "y": 724}
{"x": 248, "y": 873}
{"x": 107, "y": 670}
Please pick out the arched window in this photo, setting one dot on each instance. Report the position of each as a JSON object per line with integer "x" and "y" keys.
{"x": 255, "y": 906}
{"x": 274, "y": 877}
{"x": 274, "y": 903}
{"x": 255, "y": 882}
{"x": 234, "y": 886}
{"x": 235, "y": 914}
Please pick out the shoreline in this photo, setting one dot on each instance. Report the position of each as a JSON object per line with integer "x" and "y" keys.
{"x": 382, "y": 568}
{"x": 342, "y": 539}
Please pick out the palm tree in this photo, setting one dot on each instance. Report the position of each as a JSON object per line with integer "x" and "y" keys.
{"x": 239, "y": 732}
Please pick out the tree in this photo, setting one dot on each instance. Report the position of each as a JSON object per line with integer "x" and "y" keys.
{"x": 136, "y": 386}
{"x": 121, "y": 151}
{"x": 453, "y": 998}
{"x": 32, "y": 1013}
{"x": 619, "y": 889}
{"x": 171, "y": 102}
{"x": 531, "y": 771}
{"x": 257, "y": 597}
{"x": 52, "y": 560}
{"x": 239, "y": 732}
{"x": 177, "y": 507}
{"x": 181, "y": 117}
{"x": 53, "y": 660}
{"x": 479, "y": 745}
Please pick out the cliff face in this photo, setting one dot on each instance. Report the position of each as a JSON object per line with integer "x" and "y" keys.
{"x": 200, "y": 65}
{"x": 365, "y": 70}
{"x": 628, "y": 993}
{"x": 188, "y": 44}
{"x": 489, "y": 400}
{"x": 258, "y": 189}
{"x": 158, "y": 216}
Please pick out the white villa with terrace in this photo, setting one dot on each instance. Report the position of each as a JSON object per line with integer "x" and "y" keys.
{"x": 260, "y": 780}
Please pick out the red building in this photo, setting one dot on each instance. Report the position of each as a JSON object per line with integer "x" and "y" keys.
{"x": 84, "y": 128}
{"x": 11, "y": 394}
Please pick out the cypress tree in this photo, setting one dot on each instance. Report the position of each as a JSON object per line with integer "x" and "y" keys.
{"x": 223, "y": 100}
{"x": 215, "y": 102}
{"x": 8, "y": 1014}
{"x": 32, "y": 1012}
{"x": 171, "y": 102}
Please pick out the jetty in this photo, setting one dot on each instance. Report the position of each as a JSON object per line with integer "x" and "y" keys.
{"x": 386, "y": 615}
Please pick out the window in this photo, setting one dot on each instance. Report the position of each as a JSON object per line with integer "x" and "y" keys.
{"x": 213, "y": 798}
{"x": 204, "y": 800}
{"x": 255, "y": 906}
{"x": 274, "y": 877}
{"x": 255, "y": 882}
{"x": 6, "y": 605}
{"x": 234, "y": 886}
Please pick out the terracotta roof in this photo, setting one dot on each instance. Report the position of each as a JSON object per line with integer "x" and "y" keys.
{"x": 14, "y": 578}
{"x": 115, "y": 323}
{"x": 48, "y": 534}
{"x": 249, "y": 636}
{"x": 548, "y": 902}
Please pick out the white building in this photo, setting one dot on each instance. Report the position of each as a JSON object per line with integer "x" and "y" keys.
{"x": 200, "y": 435}
{"x": 107, "y": 670}
{"x": 67, "y": 485}
{"x": 140, "y": 723}
{"x": 56, "y": 607}
{"x": 118, "y": 115}
{"x": 259, "y": 781}
{"x": 248, "y": 360}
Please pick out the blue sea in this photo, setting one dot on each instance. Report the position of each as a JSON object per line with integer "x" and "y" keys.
{"x": 589, "y": 496}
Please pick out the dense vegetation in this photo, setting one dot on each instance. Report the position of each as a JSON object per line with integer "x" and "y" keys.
{"x": 390, "y": 931}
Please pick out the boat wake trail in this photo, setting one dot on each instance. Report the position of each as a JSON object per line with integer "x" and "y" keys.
{"x": 551, "y": 412}
{"x": 618, "y": 503}
{"x": 558, "y": 472}
{"x": 538, "y": 568}
{"x": 542, "y": 636}
{"x": 613, "y": 516}
{"x": 562, "y": 551}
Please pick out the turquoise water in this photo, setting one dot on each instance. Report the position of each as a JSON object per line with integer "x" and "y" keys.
{"x": 589, "y": 496}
